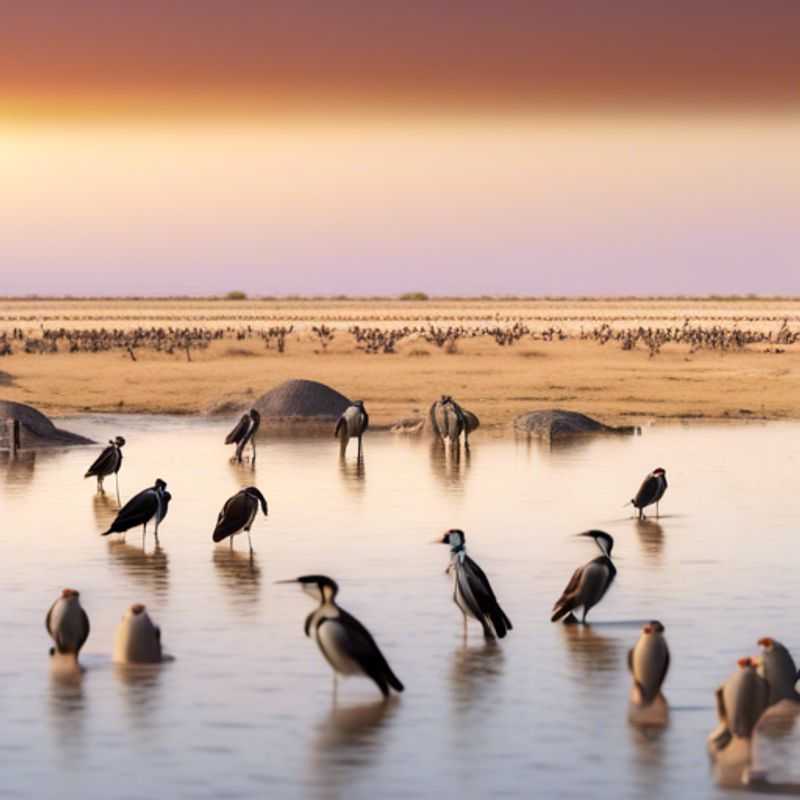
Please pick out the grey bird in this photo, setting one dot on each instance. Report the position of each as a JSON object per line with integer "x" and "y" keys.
{"x": 238, "y": 513}
{"x": 741, "y": 701}
{"x": 243, "y": 432}
{"x": 67, "y": 624}
{"x": 138, "y": 639}
{"x": 448, "y": 420}
{"x": 648, "y": 662}
{"x": 150, "y": 504}
{"x": 352, "y": 423}
{"x": 108, "y": 463}
{"x": 344, "y": 642}
{"x": 472, "y": 592}
{"x": 777, "y": 666}
{"x": 589, "y": 583}
{"x": 651, "y": 491}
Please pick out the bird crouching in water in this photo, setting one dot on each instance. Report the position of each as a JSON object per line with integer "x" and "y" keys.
{"x": 448, "y": 421}
{"x": 352, "y": 423}
{"x": 138, "y": 640}
{"x": 777, "y": 667}
{"x": 651, "y": 491}
{"x": 67, "y": 624}
{"x": 238, "y": 513}
{"x": 648, "y": 662}
{"x": 741, "y": 701}
{"x": 344, "y": 642}
{"x": 589, "y": 583}
{"x": 243, "y": 432}
{"x": 472, "y": 592}
{"x": 151, "y": 503}
{"x": 108, "y": 463}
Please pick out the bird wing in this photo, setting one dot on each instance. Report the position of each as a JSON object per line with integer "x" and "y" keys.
{"x": 647, "y": 492}
{"x": 630, "y": 661}
{"x": 233, "y": 517}
{"x": 239, "y": 430}
{"x": 341, "y": 423}
{"x": 103, "y": 464}
{"x": 663, "y": 676}
{"x": 366, "y": 419}
{"x": 138, "y": 510}
{"x": 573, "y": 584}
{"x": 722, "y": 712}
{"x": 484, "y": 594}
{"x": 434, "y": 422}
{"x": 48, "y": 617}
{"x": 86, "y": 629}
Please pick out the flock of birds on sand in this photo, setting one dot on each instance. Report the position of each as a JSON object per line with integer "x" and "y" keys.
{"x": 760, "y": 685}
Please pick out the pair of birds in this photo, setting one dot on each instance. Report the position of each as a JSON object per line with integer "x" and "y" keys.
{"x": 236, "y": 516}
{"x": 137, "y": 639}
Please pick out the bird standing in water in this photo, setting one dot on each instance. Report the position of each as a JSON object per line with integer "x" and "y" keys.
{"x": 344, "y": 642}
{"x": 108, "y": 463}
{"x": 472, "y": 592}
{"x": 243, "y": 432}
{"x": 777, "y": 666}
{"x": 648, "y": 661}
{"x": 589, "y": 583}
{"x": 651, "y": 491}
{"x": 67, "y": 624}
{"x": 353, "y": 422}
{"x": 151, "y": 503}
{"x": 238, "y": 513}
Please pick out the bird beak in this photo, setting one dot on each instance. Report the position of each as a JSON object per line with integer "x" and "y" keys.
{"x": 290, "y": 580}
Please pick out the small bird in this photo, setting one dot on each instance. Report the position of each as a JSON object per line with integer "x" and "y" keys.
{"x": 589, "y": 583}
{"x": 243, "y": 432}
{"x": 108, "y": 463}
{"x": 353, "y": 422}
{"x": 67, "y": 624}
{"x": 344, "y": 642}
{"x": 648, "y": 662}
{"x": 777, "y": 666}
{"x": 151, "y": 503}
{"x": 741, "y": 701}
{"x": 651, "y": 491}
{"x": 138, "y": 640}
{"x": 472, "y": 592}
{"x": 238, "y": 513}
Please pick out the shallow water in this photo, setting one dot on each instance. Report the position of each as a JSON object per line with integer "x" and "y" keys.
{"x": 247, "y": 708}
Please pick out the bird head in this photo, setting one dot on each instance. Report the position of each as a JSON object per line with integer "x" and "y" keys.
{"x": 746, "y": 662}
{"x": 322, "y": 588}
{"x": 358, "y": 403}
{"x": 119, "y": 441}
{"x": 254, "y": 415}
{"x": 767, "y": 643}
{"x": 659, "y": 471}
{"x": 68, "y": 594}
{"x": 160, "y": 484}
{"x": 654, "y": 626}
{"x": 136, "y": 609}
{"x": 253, "y": 492}
{"x": 454, "y": 537}
{"x": 446, "y": 398}
{"x": 602, "y": 539}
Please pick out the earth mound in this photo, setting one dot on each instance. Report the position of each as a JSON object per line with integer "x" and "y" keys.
{"x": 302, "y": 401}
{"x": 558, "y": 424}
{"x": 36, "y": 429}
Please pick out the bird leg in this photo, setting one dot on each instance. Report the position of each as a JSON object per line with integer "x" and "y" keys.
{"x": 250, "y": 542}
{"x": 253, "y": 445}
{"x": 100, "y": 484}
{"x": 116, "y": 481}
{"x": 359, "y": 448}
{"x": 657, "y": 514}
{"x": 231, "y": 541}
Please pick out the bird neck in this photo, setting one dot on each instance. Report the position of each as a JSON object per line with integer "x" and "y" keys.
{"x": 458, "y": 552}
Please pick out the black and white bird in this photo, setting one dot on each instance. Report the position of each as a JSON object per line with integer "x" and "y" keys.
{"x": 648, "y": 662}
{"x": 108, "y": 463}
{"x": 589, "y": 583}
{"x": 243, "y": 432}
{"x": 448, "y": 420}
{"x": 238, "y": 513}
{"x": 67, "y": 624}
{"x": 777, "y": 666}
{"x": 651, "y": 491}
{"x": 472, "y": 592}
{"x": 344, "y": 642}
{"x": 150, "y": 504}
{"x": 352, "y": 423}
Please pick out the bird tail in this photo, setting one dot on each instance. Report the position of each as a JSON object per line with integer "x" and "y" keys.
{"x": 500, "y": 622}
{"x": 110, "y": 530}
{"x": 339, "y": 425}
{"x": 393, "y": 681}
{"x": 629, "y": 503}
{"x": 560, "y": 610}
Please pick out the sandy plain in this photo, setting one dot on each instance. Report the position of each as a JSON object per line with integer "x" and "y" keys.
{"x": 498, "y": 383}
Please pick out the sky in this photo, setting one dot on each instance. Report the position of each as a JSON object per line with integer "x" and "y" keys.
{"x": 349, "y": 148}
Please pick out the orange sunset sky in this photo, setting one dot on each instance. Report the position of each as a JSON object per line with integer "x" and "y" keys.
{"x": 459, "y": 148}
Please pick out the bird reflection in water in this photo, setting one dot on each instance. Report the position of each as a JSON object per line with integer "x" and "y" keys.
{"x": 594, "y": 657}
{"x": 353, "y": 473}
{"x": 651, "y": 538}
{"x": 105, "y": 509}
{"x": 474, "y": 671}
{"x": 243, "y": 471}
{"x": 449, "y": 464}
{"x": 67, "y": 704}
{"x": 141, "y": 684}
{"x": 19, "y": 468}
{"x": 240, "y": 575}
{"x": 149, "y": 569}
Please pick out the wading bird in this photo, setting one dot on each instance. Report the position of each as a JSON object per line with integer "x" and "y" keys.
{"x": 243, "y": 432}
{"x": 238, "y": 513}
{"x": 651, "y": 491}
{"x": 472, "y": 592}
{"x": 151, "y": 503}
{"x": 138, "y": 639}
{"x": 777, "y": 666}
{"x": 108, "y": 463}
{"x": 67, "y": 624}
{"x": 353, "y": 422}
{"x": 589, "y": 583}
{"x": 648, "y": 661}
{"x": 344, "y": 642}
{"x": 448, "y": 420}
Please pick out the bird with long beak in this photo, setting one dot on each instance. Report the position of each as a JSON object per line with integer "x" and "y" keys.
{"x": 472, "y": 592}
{"x": 151, "y": 503}
{"x": 243, "y": 432}
{"x": 138, "y": 640}
{"x": 352, "y": 423}
{"x": 108, "y": 463}
{"x": 238, "y": 513}
{"x": 589, "y": 583}
{"x": 651, "y": 491}
{"x": 648, "y": 662}
{"x": 343, "y": 641}
{"x": 67, "y": 624}
{"x": 741, "y": 701}
{"x": 777, "y": 667}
